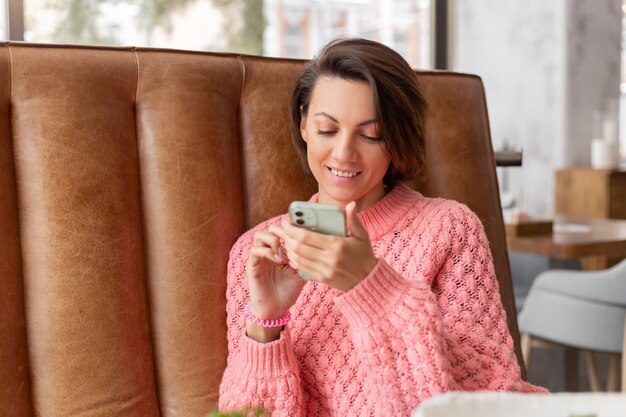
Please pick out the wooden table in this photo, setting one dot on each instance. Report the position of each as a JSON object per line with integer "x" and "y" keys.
{"x": 597, "y": 243}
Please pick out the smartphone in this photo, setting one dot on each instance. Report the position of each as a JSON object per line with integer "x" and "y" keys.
{"x": 321, "y": 218}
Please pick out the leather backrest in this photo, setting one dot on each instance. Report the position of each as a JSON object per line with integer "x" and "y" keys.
{"x": 14, "y": 378}
{"x": 125, "y": 177}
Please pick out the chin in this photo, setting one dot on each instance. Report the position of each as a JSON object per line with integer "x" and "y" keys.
{"x": 344, "y": 198}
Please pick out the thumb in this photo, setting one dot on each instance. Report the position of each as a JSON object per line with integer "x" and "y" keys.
{"x": 355, "y": 227}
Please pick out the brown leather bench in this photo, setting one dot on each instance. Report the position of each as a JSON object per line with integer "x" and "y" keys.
{"x": 125, "y": 177}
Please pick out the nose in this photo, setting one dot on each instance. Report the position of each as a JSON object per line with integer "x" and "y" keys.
{"x": 345, "y": 148}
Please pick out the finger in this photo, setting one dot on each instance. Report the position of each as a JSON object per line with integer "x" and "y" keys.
{"x": 277, "y": 230}
{"x": 264, "y": 252}
{"x": 317, "y": 270}
{"x": 355, "y": 226}
{"x": 261, "y": 238}
{"x": 267, "y": 239}
{"x": 300, "y": 234}
{"x": 297, "y": 250}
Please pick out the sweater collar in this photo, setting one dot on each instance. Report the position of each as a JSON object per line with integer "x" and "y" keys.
{"x": 385, "y": 213}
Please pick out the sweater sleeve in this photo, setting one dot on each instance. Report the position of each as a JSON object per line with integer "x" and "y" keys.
{"x": 479, "y": 345}
{"x": 264, "y": 375}
{"x": 420, "y": 337}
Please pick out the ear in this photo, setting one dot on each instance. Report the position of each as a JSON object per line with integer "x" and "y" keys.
{"x": 303, "y": 128}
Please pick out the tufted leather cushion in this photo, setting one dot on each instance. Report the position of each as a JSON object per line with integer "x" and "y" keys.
{"x": 125, "y": 177}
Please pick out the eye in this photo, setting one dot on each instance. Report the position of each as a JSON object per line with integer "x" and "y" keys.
{"x": 372, "y": 139}
{"x": 325, "y": 132}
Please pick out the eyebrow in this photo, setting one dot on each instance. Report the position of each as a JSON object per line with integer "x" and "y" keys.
{"x": 334, "y": 119}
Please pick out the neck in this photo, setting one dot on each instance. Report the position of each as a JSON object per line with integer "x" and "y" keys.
{"x": 362, "y": 203}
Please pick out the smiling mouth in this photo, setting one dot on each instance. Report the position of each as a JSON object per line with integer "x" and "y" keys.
{"x": 343, "y": 174}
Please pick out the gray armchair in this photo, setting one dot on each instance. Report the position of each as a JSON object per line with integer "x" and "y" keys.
{"x": 581, "y": 310}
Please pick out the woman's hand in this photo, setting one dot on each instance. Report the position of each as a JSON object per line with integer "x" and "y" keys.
{"x": 274, "y": 286}
{"x": 339, "y": 262}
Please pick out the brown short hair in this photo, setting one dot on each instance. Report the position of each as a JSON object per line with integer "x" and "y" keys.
{"x": 398, "y": 101}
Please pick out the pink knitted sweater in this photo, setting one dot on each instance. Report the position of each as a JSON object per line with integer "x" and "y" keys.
{"x": 427, "y": 319}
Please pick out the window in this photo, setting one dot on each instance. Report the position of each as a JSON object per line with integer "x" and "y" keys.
{"x": 291, "y": 28}
{"x": 293, "y": 47}
{"x": 3, "y": 23}
{"x": 622, "y": 98}
{"x": 404, "y": 25}
{"x": 183, "y": 24}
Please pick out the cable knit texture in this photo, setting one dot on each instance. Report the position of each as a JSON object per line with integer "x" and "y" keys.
{"x": 427, "y": 319}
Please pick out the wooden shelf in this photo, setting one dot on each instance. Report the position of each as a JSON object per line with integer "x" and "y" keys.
{"x": 508, "y": 158}
{"x": 588, "y": 192}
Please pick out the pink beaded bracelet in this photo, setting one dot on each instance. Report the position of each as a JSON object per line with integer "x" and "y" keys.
{"x": 267, "y": 323}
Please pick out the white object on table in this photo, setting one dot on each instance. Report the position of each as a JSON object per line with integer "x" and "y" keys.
{"x": 510, "y": 404}
{"x": 604, "y": 154}
{"x": 571, "y": 228}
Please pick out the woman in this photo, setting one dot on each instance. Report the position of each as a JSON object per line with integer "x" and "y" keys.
{"x": 406, "y": 306}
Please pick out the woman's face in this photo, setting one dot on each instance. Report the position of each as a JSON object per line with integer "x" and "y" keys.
{"x": 344, "y": 150}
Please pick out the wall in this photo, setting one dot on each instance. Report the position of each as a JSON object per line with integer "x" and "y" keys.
{"x": 546, "y": 65}
{"x": 593, "y": 70}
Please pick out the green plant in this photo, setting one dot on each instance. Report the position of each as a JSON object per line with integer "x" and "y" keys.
{"x": 241, "y": 413}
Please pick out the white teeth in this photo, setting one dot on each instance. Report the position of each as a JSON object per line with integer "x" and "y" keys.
{"x": 343, "y": 174}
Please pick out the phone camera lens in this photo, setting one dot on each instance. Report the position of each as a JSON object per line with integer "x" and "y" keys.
{"x": 299, "y": 221}
{"x": 299, "y": 214}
